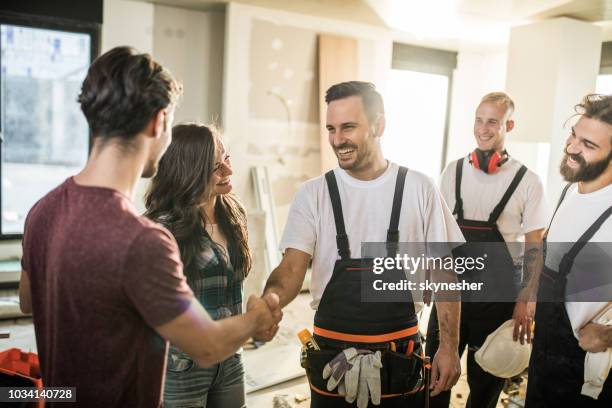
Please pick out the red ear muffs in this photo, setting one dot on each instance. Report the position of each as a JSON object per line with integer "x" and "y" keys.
{"x": 488, "y": 161}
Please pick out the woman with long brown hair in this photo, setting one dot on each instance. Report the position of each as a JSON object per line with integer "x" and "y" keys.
{"x": 191, "y": 196}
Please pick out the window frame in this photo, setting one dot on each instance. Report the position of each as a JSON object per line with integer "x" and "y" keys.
{"x": 429, "y": 61}
{"x": 50, "y": 23}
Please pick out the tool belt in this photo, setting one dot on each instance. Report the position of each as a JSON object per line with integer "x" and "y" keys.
{"x": 402, "y": 371}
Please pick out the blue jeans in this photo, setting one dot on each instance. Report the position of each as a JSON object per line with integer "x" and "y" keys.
{"x": 218, "y": 386}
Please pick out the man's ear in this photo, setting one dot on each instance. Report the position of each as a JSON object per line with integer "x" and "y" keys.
{"x": 157, "y": 124}
{"x": 509, "y": 125}
{"x": 379, "y": 125}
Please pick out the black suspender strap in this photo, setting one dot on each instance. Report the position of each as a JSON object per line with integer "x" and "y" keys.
{"x": 393, "y": 231}
{"x": 499, "y": 208}
{"x": 568, "y": 259}
{"x": 563, "y": 193}
{"x": 341, "y": 237}
{"x": 458, "y": 201}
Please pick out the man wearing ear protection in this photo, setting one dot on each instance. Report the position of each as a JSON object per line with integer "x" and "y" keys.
{"x": 496, "y": 199}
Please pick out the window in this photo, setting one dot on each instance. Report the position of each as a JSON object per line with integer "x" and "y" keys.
{"x": 604, "y": 79}
{"x": 45, "y": 137}
{"x": 417, "y": 104}
{"x": 604, "y": 84}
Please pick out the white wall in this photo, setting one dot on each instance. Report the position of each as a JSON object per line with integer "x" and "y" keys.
{"x": 190, "y": 44}
{"x": 127, "y": 23}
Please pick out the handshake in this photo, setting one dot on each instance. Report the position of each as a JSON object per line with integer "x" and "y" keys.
{"x": 267, "y": 313}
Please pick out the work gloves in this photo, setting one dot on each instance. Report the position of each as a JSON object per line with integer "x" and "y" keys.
{"x": 356, "y": 374}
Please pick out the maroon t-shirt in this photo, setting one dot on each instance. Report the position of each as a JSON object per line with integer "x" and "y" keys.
{"x": 101, "y": 277}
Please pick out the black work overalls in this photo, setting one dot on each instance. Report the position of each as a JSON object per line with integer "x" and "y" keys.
{"x": 556, "y": 368}
{"x": 481, "y": 314}
{"x": 342, "y": 320}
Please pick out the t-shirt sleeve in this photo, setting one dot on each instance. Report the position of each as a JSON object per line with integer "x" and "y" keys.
{"x": 28, "y": 243}
{"x": 153, "y": 277}
{"x": 300, "y": 232}
{"x": 535, "y": 215}
{"x": 439, "y": 224}
{"x": 26, "y": 247}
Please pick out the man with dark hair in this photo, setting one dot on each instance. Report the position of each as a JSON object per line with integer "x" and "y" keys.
{"x": 567, "y": 327}
{"x": 499, "y": 204}
{"x": 331, "y": 216}
{"x": 104, "y": 284}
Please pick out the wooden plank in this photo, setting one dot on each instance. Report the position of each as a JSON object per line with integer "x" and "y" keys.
{"x": 337, "y": 63}
{"x": 265, "y": 202}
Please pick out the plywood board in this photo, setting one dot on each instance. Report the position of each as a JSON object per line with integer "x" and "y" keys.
{"x": 337, "y": 63}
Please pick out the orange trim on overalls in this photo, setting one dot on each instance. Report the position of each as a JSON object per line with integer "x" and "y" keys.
{"x": 329, "y": 394}
{"x": 366, "y": 338}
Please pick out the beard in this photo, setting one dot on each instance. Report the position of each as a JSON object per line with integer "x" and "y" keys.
{"x": 586, "y": 172}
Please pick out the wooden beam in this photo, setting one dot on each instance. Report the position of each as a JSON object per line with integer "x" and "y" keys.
{"x": 337, "y": 63}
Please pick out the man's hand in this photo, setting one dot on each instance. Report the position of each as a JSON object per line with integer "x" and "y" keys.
{"x": 267, "y": 318}
{"x": 523, "y": 319}
{"x": 268, "y": 333}
{"x": 445, "y": 369}
{"x": 592, "y": 337}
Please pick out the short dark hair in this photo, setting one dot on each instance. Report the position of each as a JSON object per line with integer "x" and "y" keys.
{"x": 122, "y": 92}
{"x": 372, "y": 101}
{"x": 596, "y": 106}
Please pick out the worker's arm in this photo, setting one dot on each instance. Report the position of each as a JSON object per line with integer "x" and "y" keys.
{"x": 208, "y": 341}
{"x": 25, "y": 293}
{"x": 524, "y": 309}
{"x": 287, "y": 279}
{"x": 446, "y": 367}
{"x": 595, "y": 337}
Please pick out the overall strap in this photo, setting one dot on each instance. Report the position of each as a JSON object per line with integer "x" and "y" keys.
{"x": 458, "y": 210}
{"x": 561, "y": 198}
{"x": 499, "y": 208}
{"x": 393, "y": 231}
{"x": 568, "y": 259}
{"x": 341, "y": 237}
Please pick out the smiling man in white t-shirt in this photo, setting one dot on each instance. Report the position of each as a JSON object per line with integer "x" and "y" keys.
{"x": 564, "y": 330}
{"x": 495, "y": 199}
{"x": 364, "y": 188}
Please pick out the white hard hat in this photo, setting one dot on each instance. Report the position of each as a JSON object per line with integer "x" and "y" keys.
{"x": 500, "y": 355}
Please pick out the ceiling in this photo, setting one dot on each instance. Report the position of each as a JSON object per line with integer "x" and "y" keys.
{"x": 451, "y": 24}
{"x": 586, "y": 10}
{"x": 353, "y": 10}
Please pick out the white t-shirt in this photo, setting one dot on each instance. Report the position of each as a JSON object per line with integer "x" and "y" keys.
{"x": 575, "y": 215}
{"x": 366, "y": 206}
{"x": 526, "y": 210}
